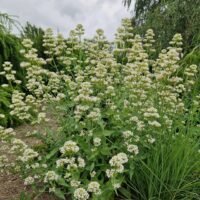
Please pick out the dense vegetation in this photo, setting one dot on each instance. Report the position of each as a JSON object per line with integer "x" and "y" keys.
{"x": 168, "y": 17}
{"x": 10, "y": 46}
{"x": 128, "y": 110}
{"x": 129, "y": 122}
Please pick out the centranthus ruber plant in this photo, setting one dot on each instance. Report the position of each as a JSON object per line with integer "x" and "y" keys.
{"x": 115, "y": 102}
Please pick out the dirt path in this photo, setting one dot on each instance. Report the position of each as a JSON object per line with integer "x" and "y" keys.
{"x": 11, "y": 186}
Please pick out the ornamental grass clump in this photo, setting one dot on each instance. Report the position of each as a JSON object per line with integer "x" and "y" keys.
{"x": 115, "y": 103}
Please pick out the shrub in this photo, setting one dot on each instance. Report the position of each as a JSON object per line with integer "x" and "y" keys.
{"x": 114, "y": 106}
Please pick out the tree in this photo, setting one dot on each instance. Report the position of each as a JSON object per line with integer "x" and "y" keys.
{"x": 7, "y": 22}
{"x": 168, "y": 17}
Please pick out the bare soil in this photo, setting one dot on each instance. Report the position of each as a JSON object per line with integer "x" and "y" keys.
{"x": 10, "y": 187}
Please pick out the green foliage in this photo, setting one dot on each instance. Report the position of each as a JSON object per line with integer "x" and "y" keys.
{"x": 4, "y": 105}
{"x": 7, "y": 22}
{"x": 192, "y": 57}
{"x": 9, "y": 43}
{"x": 10, "y": 46}
{"x": 170, "y": 171}
{"x": 168, "y": 17}
{"x": 128, "y": 118}
{"x": 5, "y": 102}
{"x": 127, "y": 3}
{"x": 24, "y": 196}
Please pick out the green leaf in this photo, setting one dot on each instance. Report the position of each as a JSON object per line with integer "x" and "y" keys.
{"x": 59, "y": 193}
{"x": 94, "y": 154}
{"x": 105, "y": 151}
{"x": 104, "y": 132}
{"x": 24, "y": 196}
{"x": 52, "y": 153}
{"x": 125, "y": 192}
{"x": 92, "y": 166}
{"x": 132, "y": 168}
{"x": 62, "y": 182}
{"x": 107, "y": 132}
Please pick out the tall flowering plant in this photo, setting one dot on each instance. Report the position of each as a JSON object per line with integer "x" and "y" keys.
{"x": 114, "y": 104}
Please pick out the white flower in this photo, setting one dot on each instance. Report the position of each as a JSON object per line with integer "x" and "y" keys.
{"x": 69, "y": 147}
{"x": 133, "y": 148}
{"x": 97, "y": 141}
{"x": 116, "y": 185}
{"x": 44, "y": 165}
{"x": 67, "y": 175}
{"x": 29, "y": 180}
{"x": 110, "y": 172}
{"x": 154, "y": 123}
{"x": 127, "y": 134}
{"x": 61, "y": 162}
{"x": 24, "y": 64}
{"x": 123, "y": 157}
{"x": 28, "y": 154}
{"x": 94, "y": 187}
{"x": 2, "y": 116}
{"x": 81, "y": 194}
{"x": 50, "y": 176}
{"x": 81, "y": 162}
{"x": 35, "y": 165}
{"x": 118, "y": 160}
{"x": 41, "y": 116}
{"x": 4, "y": 85}
{"x": 27, "y": 43}
{"x": 75, "y": 183}
{"x": 151, "y": 140}
{"x": 119, "y": 168}
{"x": 92, "y": 174}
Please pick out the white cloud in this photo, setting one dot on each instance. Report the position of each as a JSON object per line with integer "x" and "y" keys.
{"x": 63, "y": 15}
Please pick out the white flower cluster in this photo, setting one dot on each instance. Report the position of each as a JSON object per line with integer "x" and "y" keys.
{"x": 75, "y": 183}
{"x": 28, "y": 154}
{"x": 133, "y": 149}
{"x": 190, "y": 73}
{"x": 18, "y": 145}
{"x": 29, "y": 180}
{"x": 23, "y": 106}
{"x": 124, "y": 36}
{"x": 19, "y": 106}
{"x": 2, "y": 116}
{"x": 127, "y": 134}
{"x": 6, "y": 133}
{"x": 71, "y": 163}
{"x": 9, "y": 73}
{"x": 83, "y": 194}
{"x": 116, "y": 162}
{"x": 149, "y": 40}
{"x": 94, "y": 187}
{"x": 50, "y": 176}
{"x": 69, "y": 147}
{"x": 128, "y": 137}
{"x": 97, "y": 141}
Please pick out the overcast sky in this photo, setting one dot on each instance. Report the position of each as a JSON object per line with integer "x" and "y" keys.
{"x": 63, "y": 15}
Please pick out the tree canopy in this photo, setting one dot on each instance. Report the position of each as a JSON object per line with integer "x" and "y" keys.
{"x": 168, "y": 17}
